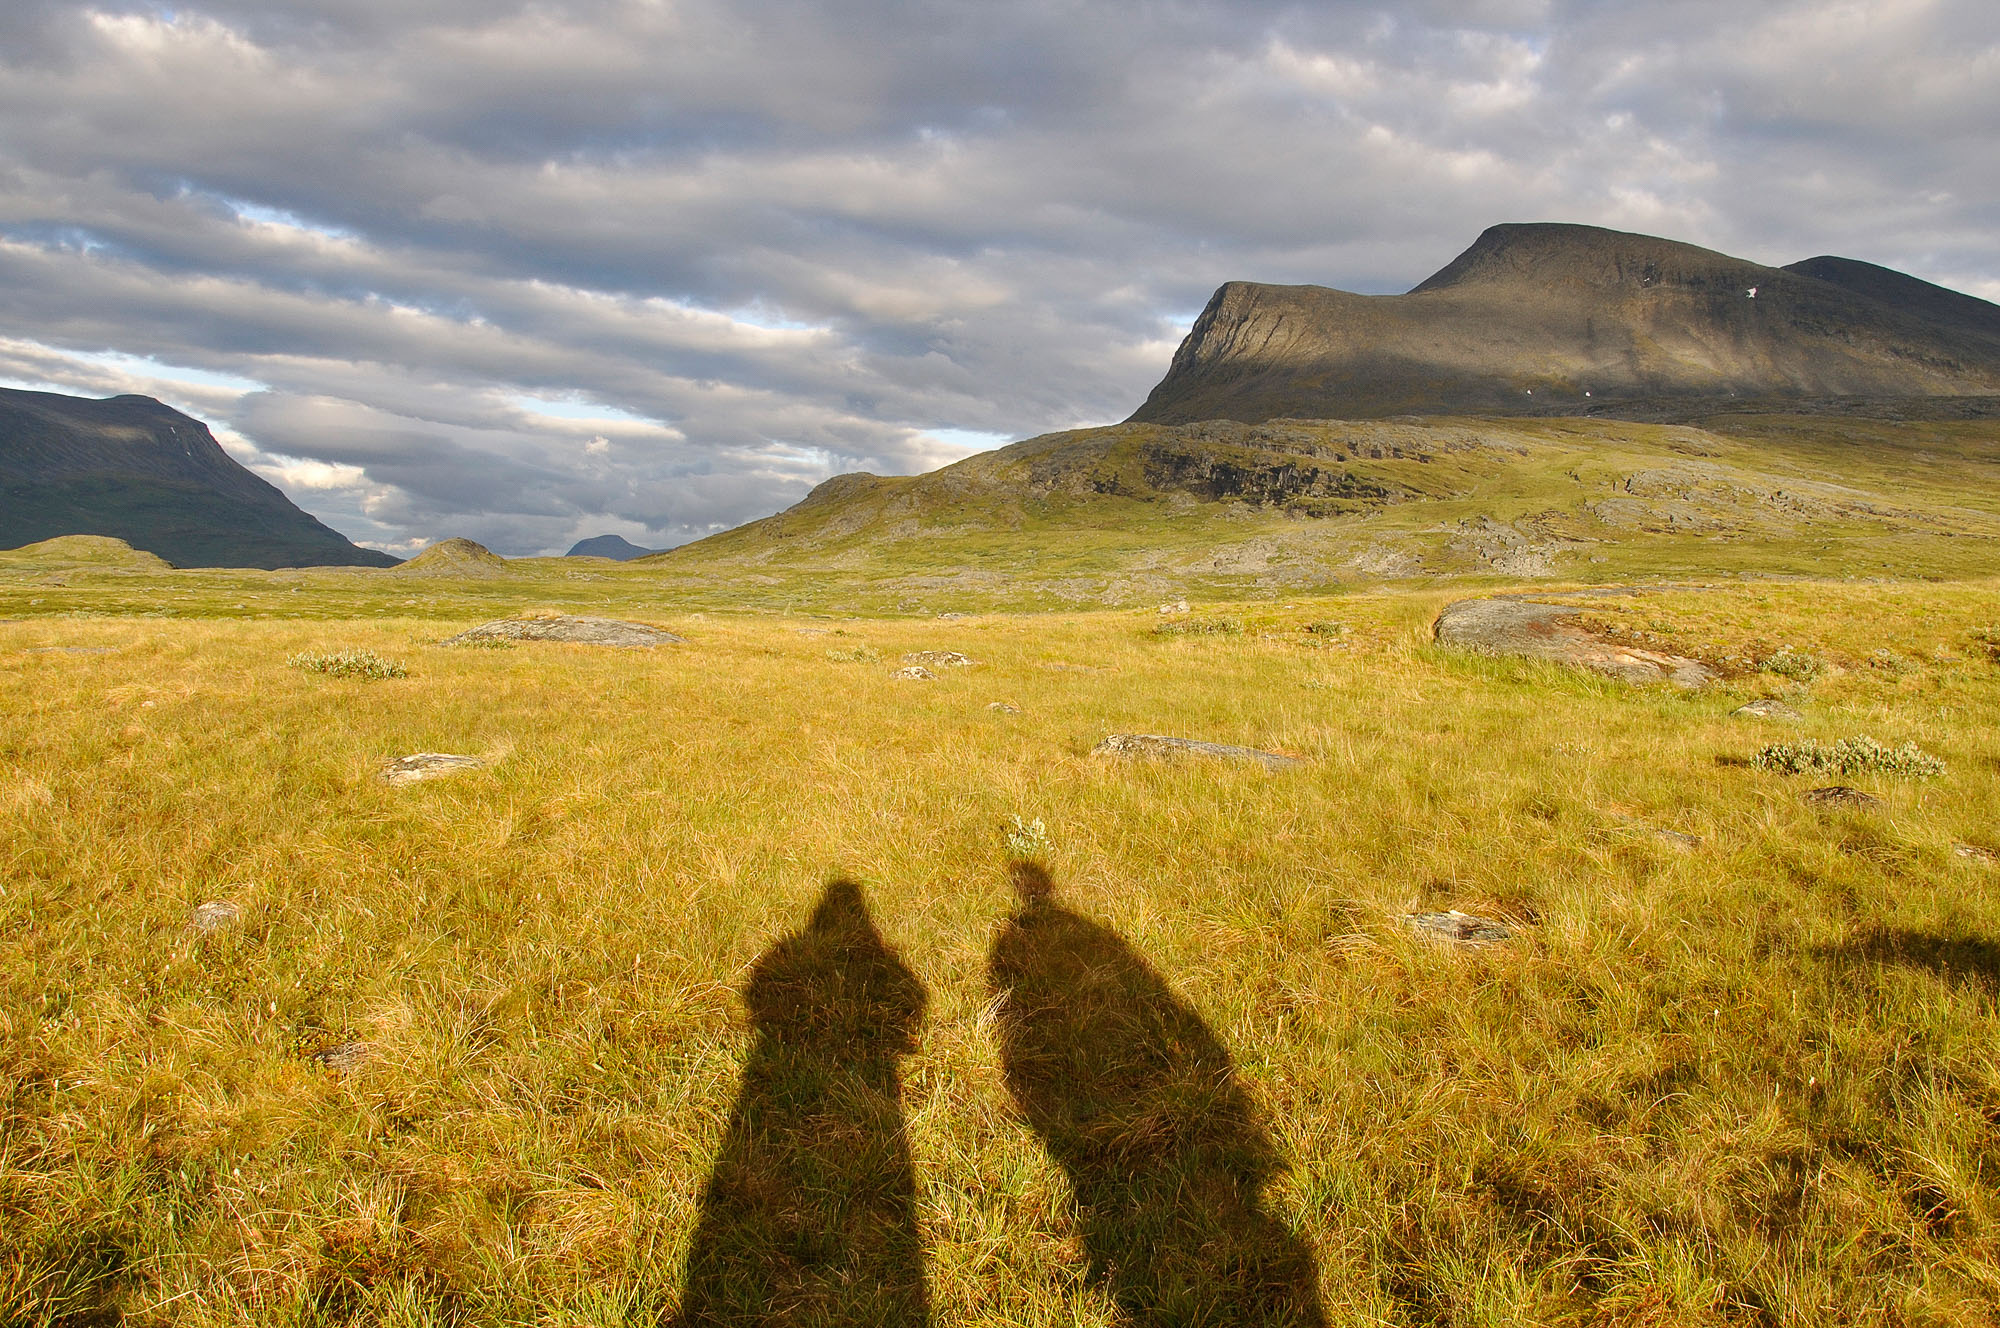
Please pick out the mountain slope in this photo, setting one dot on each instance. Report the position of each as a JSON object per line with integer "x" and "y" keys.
{"x": 1558, "y": 319}
{"x": 1133, "y": 512}
{"x": 138, "y": 470}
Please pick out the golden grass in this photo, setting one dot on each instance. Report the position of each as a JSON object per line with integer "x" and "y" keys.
{"x": 1754, "y": 1080}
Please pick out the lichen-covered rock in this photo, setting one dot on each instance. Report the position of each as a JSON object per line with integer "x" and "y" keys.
{"x": 1457, "y": 928}
{"x": 1154, "y": 745}
{"x": 213, "y": 916}
{"x": 343, "y": 1057}
{"x": 577, "y": 631}
{"x": 1840, "y": 795}
{"x": 914, "y": 673}
{"x": 939, "y": 659}
{"x": 427, "y": 765}
{"x": 1766, "y": 707}
{"x": 1555, "y": 632}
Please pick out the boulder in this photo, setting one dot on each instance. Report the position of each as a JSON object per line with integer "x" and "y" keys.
{"x": 1154, "y": 745}
{"x": 577, "y": 631}
{"x": 1554, "y": 632}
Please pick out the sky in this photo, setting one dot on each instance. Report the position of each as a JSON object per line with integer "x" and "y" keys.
{"x": 531, "y": 272}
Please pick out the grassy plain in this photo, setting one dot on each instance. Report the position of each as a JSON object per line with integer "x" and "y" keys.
{"x": 1202, "y": 1076}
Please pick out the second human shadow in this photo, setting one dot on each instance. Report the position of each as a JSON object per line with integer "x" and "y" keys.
{"x": 1136, "y": 1100}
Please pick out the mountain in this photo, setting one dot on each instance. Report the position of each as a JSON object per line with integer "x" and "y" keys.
{"x": 1550, "y": 319}
{"x": 608, "y": 546}
{"x": 135, "y": 469}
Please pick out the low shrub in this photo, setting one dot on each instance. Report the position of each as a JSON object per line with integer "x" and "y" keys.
{"x": 1848, "y": 756}
{"x": 348, "y": 664}
{"x": 1200, "y": 627}
{"x": 1789, "y": 663}
{"x": 1027, "y": 839}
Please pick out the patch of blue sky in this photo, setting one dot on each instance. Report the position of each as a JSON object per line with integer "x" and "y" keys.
{"x": 768, "y": 319}
{"x": 971, "y": 439}
{"x": 581, "y": 409}
{"x": 271, "y": 216}
{"x": 145, "y": 366}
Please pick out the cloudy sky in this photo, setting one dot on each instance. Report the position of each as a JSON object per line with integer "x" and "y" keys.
{"x": 529, "y": 272}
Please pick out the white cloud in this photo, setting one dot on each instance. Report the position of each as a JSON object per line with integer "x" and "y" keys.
{"x": 529, "y": 270}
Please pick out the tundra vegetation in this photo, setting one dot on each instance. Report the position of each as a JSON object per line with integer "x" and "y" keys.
{"x": 740, "y": 981}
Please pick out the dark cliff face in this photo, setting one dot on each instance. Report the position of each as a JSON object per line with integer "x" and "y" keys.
{"x": 1557, "y": 319}
{"x": 139, "y": 470}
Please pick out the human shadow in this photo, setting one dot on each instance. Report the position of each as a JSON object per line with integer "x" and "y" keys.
{"x": 1137, "y": 1102}
{"x": 809, "y": 1215}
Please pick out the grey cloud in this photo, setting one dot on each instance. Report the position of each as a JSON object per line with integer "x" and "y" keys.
{"x": 981, "y": 217}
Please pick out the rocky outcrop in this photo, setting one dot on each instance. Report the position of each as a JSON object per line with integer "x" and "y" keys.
{"x": 1554, "y": 632}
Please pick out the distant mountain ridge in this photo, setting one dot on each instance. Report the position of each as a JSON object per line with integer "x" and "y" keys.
{"x": 1549, "y": 318}
{"x": 608, "y": 546}
{"x": 138, "y": 470}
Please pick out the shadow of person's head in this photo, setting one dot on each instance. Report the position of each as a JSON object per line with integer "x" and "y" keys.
{"x": 837, "y": 980}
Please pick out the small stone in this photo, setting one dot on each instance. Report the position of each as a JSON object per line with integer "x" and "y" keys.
{"x": 1178, "y": 606}
{"x": 1766, "y": 707}
{"x": 915, "y": 673}
{"x": 812, "y": 631}
{"x": 1458, "y": 928}
{"x": 941, "y": 659}
{"x": 1680, "y": 839}
{"x": 1976, "y": 853}
{"x": 426, "y": 765}
{"x": 1001, "y": 707}
{"x": 1840, "y": 795}
{"x": 343, "y": 1057}
{"x": 206, "y": 919}
{"x": 1153, "y": 744}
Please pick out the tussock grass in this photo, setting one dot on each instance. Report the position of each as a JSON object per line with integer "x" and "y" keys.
{"x": 728, "y": 983}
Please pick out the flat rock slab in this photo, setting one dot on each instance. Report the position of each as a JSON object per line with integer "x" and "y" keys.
{"x": 343, "y": 1057}
{"x": 1152, "y": 744}
{"x": 578, "y": 631}
{"x": 427, "y": 765}
{"x": 1457, "y": 928}
{"x": 1766, "y": 708}
{"x": 939, "y": 659}
{"x": 1840, "y": 795}
{"x": 212, "y": 917}
{"x": 1550, "y": 631}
